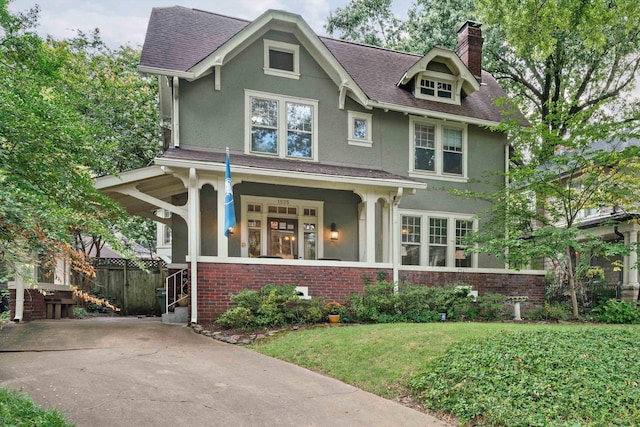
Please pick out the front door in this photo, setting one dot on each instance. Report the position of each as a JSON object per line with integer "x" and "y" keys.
{"x": 282, "y": 238}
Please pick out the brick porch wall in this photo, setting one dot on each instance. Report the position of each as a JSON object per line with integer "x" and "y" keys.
{"x": 511, "y": 284}
{"x": 217, "y": 282}
{"x": 34, "y": 306}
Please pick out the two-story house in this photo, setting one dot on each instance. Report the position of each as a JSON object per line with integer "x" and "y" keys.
{"x": 342, "y": 157}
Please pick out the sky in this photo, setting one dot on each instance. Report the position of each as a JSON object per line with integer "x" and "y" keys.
{"x": 125, "y": 21}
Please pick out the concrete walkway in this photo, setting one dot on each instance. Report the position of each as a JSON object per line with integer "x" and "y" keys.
{"x": 140, "y": 372}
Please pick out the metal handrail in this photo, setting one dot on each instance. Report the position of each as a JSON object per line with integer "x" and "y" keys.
{"x": 178, "y": 280}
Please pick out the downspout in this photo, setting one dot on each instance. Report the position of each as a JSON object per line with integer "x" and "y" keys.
{"x": 175, "y": 132}
{"x": 394, "y": 240}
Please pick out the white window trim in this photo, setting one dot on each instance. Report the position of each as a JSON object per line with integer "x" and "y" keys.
{"x": 245, "y": 201}
{"x": 282, "y": 47}
{"x": 451, "y": 218}
{"x": 282, "y": 125}
{"x": 438, "y": 174}
{"x": 361, "y": 142}
{"x": 439, "y": 78}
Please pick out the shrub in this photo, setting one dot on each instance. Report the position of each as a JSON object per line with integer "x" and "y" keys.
{"x": 417, "y": 303}
{"x": 552, "y": 311}
{"x": 79, "y": 312}
{"x": 272, "y": 305}
{"x": 614, "y": 311}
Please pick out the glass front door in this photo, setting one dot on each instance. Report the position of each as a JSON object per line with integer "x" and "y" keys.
{"x": 282, "y": 238}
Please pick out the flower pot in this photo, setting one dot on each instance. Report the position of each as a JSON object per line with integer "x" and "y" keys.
{"x": 334, "y": 318}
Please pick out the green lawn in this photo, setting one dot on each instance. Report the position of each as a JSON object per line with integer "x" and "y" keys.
{"x": 384, "y": 359}
{"x": 18, "y": 410}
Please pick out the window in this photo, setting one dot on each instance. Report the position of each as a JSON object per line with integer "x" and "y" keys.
{"x": 439, "y": 148}
{"x": 360, "y": 129}
{"x": 440, "y": 243}
{"x": 436, "y": 86}
{"x": 281, "y": 59}
{"x": 281, "y": 126}
{"x": 462, "y": 228}
{"x": 411, "y": 240}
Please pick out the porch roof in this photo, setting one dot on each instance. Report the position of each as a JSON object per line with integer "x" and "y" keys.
{"x": 243, "y": 166}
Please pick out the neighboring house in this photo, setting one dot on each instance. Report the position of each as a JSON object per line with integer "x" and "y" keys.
{"x": 341, "y": 157}
{"x": 614, "y": 223}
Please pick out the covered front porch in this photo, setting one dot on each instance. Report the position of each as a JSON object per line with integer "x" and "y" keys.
{"x": 321, "y": 227}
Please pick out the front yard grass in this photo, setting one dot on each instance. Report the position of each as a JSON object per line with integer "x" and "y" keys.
{"x": 17, "y": 409}
{"x": 384, "y": 359}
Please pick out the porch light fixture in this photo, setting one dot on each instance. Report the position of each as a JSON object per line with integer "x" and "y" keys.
{"x": 334, "y": 231}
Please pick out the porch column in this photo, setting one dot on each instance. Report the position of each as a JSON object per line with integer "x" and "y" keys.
{"x": 193, "y": 226}
{"x": 386, "y": 227}
{"x": 630, "y": 284}
{"x": 223, "y": 241}
{"x": 367, "y": 228}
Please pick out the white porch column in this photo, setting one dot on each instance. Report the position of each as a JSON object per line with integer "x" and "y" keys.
{"x": 630, "y": 285}
{"x": 386, "y": 236}
{"x": 193, "y": 226}
{"x": 223, "y": 241}
{"x": 367, "y": 228}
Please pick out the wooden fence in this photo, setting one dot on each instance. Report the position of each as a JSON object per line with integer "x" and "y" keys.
{"x": 129, "y": 287}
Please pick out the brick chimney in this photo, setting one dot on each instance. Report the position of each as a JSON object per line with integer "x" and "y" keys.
{"x": 469, "y": 47}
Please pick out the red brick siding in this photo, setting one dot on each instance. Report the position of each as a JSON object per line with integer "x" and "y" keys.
{"x": 34, "y": 307}
{"x": 217, "y": 282}
{"x": 505, "y": 284}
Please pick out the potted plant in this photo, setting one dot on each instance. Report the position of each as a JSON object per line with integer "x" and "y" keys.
{"x": 333, "y": 311}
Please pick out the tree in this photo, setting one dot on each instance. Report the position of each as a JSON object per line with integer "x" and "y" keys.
{"x": 366, "y": 21}
{"x": 53, "y": 140}
{"x": 569, "y": 66}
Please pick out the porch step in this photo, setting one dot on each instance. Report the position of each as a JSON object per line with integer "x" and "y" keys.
{"x": 180, "y": 315}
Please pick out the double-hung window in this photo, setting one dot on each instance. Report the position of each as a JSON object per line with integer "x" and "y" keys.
{"x": 281, "y": 126}
{"x": 436, "y": 239}
{"x": 439, "y": 149}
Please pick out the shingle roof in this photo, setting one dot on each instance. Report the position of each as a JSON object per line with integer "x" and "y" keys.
{"x": 178, "y": 38}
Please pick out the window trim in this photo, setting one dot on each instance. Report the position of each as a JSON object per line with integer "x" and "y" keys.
{"x": 451, "y": 217}
{"x": 361, "y": 142}
{"x": 282, "y": 47}
{"x": 437, "y": 77}
{"x": 282, "y": 124}
{"x": 439, "y": 148}
{"x": 300, "y": 204}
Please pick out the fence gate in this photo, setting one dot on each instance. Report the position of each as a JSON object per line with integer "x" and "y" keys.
{"x": 132, "y": 289}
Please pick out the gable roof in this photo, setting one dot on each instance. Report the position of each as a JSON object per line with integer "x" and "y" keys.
{"x": 180, "y": 40}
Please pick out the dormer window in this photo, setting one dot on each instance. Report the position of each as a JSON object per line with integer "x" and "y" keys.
{"x": 437, "y": 89}
{"x": 281, "y": 59}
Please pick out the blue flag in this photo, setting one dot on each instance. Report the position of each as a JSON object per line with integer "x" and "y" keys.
{"x": 229, "y": 208}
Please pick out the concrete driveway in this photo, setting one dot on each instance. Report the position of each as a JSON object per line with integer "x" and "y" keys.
{"x": 139, "y": 372}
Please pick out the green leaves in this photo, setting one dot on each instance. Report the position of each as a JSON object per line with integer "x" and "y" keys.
{"x": 537, "y": 378}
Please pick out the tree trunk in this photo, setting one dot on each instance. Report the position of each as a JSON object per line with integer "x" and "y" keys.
{"x": 572, "y": 284}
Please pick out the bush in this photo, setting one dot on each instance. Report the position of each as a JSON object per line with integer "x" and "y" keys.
{"x": 79, "y": 312}
{"x": 272, "y": 306}
{"x": 614, "y": 311}
{"x": 417, "y": 303}
{"x": 552, "y": 311}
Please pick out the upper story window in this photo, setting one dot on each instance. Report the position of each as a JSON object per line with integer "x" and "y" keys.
{"x": 281, "y": 126}
{"x": 360, "y": 129}
{"x": 441, "y": 88}
{"x": 281, "y": 59}
{"x": 439, "y": 149}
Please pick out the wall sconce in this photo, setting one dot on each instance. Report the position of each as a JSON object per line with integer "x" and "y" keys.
{"x": 334, "y": 231}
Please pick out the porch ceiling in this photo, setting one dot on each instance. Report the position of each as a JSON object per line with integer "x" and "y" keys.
{"x": 153, "y": 181}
